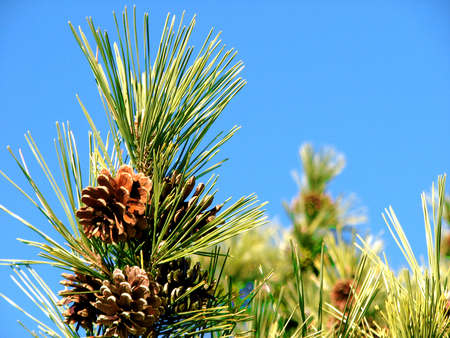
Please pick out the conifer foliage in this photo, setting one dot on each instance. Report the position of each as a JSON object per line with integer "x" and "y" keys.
{"x": 143, "y": 213}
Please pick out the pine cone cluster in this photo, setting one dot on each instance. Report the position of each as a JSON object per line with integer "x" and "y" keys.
{"x": 130, "y": 305}
{"x": 178, "y": 280}
{"x": 115, "y": 209}
{"x": 119, "y": 209}
{"x": 82, "y": 312}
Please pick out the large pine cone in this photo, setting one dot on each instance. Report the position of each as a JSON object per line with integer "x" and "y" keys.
{"x": 115, "y": 209}
{"x": 130, "y": 304}
{"x": 81, "y": 312}
{"x": 178, "y": 279}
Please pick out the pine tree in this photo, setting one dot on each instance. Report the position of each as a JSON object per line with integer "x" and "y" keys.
{"x": 142, "y": 252}
{"x": 148, "y": 205}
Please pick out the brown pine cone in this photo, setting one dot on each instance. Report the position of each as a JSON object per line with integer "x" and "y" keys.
{"x": 115, "y": 209}
{"x": 130, "y": 304}
{"x": 445, "y": 244}
{"x": 81, "y": 312}
{"x": 341, "y": 292}
{"x": 198, "y": 219}
{"x": 177, "y": 279}
{"x": 447, "y": 303}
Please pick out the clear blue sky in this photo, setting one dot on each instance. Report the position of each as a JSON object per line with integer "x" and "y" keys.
{"x": 371, "y": 78}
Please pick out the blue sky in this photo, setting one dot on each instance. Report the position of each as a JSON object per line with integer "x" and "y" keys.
{"x": 370, "y": 78}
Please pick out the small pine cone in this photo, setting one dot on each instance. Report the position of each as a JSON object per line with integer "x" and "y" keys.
{"x": 82, "y": 295}
{"x": 341, "y": 292}
{"x": 198, "y": 219}
{"x": 313, "y": 203}
{"x": 129, "y": 305}
{"x": 115, "y": 209}
{"x": 178, "y": 279}
{"x": 306, "y": 259}
{"x": 445, "y": 245}
{"x": 447, "y": 303}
